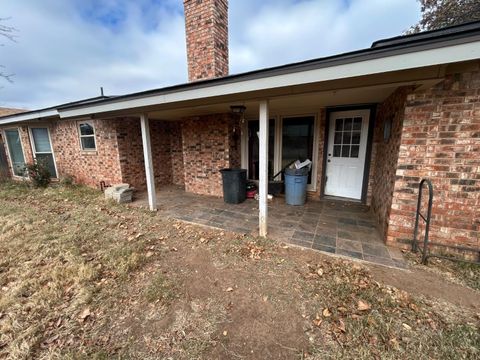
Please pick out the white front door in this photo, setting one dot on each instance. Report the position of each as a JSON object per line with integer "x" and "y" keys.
{"x": 347, "y": 147}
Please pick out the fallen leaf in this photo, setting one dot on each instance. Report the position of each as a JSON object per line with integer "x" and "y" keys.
{"x": 341, "y": 326}
{"x": 342, "y": 309}
{"x": 84, "y": 314}
{"x": 317, "y": 322}
{"x": 406, "y": 326}
{"x": 225, "y": 333}
{"x": 320, "y": 272}
{"x": 326, "y": 312}
{"x": 363, "y": 306}
{"x": 229, "y": 289}
{"x": 265, "y": 298}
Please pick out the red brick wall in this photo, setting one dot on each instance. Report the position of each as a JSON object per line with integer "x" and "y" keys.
{"x": 206, "y": 27}
{"x": 88, "y": 167}
{"x": 206, "y": 150}
{"x": 167, "y": 154}
{"x": 441, "y": 141}
{"x": 385, "y": 156}
{"x": 176, "y": 146}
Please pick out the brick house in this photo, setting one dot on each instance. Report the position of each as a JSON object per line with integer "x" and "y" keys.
{"x": 374, "y": 122}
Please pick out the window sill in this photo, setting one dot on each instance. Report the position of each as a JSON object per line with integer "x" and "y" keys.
{"x": 89, "y": 152}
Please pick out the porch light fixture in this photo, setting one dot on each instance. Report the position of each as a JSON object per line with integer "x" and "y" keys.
{"x": 237, "y": 109}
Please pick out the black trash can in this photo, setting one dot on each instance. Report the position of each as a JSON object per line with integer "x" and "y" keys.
{"x": 234, "y": 185}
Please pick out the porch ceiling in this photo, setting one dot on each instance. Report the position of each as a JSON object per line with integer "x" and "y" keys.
{"x": 287, "y": 104}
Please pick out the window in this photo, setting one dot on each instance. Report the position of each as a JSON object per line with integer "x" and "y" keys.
{"x": 15, "y": 151}
{"x": 87, "y": 136}
{"x": 42, "y": 149}
{"x": 347, "y": 137}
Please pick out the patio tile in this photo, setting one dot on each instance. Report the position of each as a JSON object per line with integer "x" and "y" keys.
{"x": 346, "y": 221}
{"x": 395, "y": 253}
{"x": 288, "y": 224}
{"x": 329, "y": 231}
{"x": 352, "y": 254}
{"x": 379, "y": 260}
{"x": 305, "y": 244}
{"x": 325, "y": 240}
{"x": 366, "y": 224}
{"x": 349, "y": 245}
{"x": 376, "y": 250}
{"x": 324, "y": 248}
{"x": 308, "y": 227}
{"x": 346, "y": 235}
{"x": 303, "y": 236}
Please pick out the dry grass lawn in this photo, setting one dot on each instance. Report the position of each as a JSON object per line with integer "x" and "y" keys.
{"x": 82, "y": 278}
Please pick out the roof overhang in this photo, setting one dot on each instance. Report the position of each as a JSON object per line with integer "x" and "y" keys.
{"x": 422, "y": 53}
{"x": 354, "y": 68}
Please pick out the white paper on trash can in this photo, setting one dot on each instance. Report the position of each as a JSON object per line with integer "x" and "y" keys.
{"x": 300, "y": 165}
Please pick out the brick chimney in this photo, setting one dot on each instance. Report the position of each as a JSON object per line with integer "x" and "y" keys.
{"x": 206, "y": 27}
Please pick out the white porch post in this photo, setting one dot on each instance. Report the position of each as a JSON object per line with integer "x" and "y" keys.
{"x": 263, "y": 171}
{"x": 147, "y": 156}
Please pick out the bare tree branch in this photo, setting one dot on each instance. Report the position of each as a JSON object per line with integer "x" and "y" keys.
{"x": 7, "y": 32}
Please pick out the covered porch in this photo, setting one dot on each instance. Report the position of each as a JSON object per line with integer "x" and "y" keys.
{"x": 331, "y": 226}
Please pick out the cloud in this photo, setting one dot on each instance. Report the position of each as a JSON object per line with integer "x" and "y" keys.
{"x": 66, "y": 50}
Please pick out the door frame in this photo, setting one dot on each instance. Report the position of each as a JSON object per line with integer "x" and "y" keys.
{"x": 278, "y": 117}
{"x": 32, "y": 143}
{"x": 368, "y": 154}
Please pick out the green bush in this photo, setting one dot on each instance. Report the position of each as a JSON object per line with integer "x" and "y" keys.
{"x": 39, "y": 173}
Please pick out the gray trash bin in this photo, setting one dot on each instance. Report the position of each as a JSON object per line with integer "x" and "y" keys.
{"x": 296, "y": 186}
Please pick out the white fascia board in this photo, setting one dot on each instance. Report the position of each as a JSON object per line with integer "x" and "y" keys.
{"x": 10, "y": 119}
{"x": 430, "y": 57}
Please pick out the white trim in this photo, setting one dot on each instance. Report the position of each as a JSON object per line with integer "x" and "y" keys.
{"x": 29, "y": 116}
{"x": 18, "y": 128}
{"x": 264, "y": 121}
{"x": 34, "y": 150}
{"x": 147, "y": 156}
{"x": 414, "y": 59}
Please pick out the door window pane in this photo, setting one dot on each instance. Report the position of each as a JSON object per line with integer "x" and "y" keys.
{"x": 348, "y": 135}
{"x": 355, "y": 150}
{"x": 16, "y": 152}
{"x": 297, "y": 140}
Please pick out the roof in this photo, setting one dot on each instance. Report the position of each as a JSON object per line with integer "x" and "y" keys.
{"x": 381, "y": 49}
{"x": 10, "y": 111}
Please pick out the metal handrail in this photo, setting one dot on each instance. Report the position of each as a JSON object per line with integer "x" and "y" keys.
{"x": 426, "y": 219}
{"x": 425, "y": 250}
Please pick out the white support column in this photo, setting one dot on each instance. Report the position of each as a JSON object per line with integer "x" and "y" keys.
{"x": 147, "y": 157}
{"x": 263, "y": 171}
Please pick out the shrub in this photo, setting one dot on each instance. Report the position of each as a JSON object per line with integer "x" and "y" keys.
{"x": 39, "y": 173}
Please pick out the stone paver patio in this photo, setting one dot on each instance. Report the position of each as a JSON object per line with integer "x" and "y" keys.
{"x": 332, "y": 226}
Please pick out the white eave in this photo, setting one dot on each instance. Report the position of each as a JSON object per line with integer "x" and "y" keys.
{"x": 28, "y": 116}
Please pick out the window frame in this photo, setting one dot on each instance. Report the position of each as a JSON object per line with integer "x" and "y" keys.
{"x": 80, "y": 136}
{"x": 34, "y": 150}
{"x": 19, "y": 130}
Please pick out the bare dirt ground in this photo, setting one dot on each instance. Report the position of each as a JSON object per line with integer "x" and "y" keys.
{"x": 84, "y": 278}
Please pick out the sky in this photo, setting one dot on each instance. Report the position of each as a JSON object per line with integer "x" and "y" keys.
{"x": 64, "y": 50}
